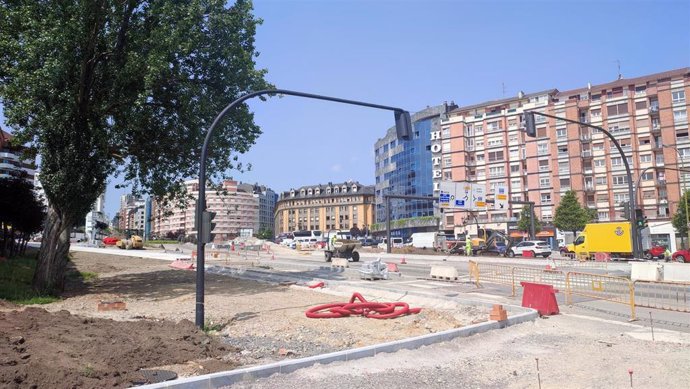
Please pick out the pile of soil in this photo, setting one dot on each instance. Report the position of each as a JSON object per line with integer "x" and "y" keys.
{"x": 41, "y": 349}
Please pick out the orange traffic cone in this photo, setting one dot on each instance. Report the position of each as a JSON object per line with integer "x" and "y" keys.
{"x": 403, "y": 261}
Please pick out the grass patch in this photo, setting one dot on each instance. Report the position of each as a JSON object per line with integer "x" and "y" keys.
{"x": 210, "y": 326}
{"x": 83, "y": 276}
{"x": 15, "y": 281}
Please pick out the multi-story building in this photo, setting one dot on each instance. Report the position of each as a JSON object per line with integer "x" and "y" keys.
{"x": 647, "y": 115}
{"x": 96, "y": 220}
{"x": 12, "y": 162}
{"x": 404, "y": 167}
{"x": 236, "y": 207}
{"x": 325, "y": 207}
{"x": 267, "y": 204}
{"x": 132, "y": 214}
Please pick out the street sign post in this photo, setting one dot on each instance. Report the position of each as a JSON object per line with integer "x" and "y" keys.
{"x": 501, "y": 197}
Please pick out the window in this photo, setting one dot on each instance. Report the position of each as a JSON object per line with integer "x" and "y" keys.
{"x": 445, "y": 146}
{"x": 599, "y": 162}
{"x": 446, "y": 161}
{"x": 447, "y": 175}
{"x": 680, "y": 115}
{"x": 385, "y": 148}
{"x": 497, "y": 171}
{"x": 542, "y": 148}
{"x": 620, "y": 180}
{"x": 598, "y": 146}
{"x": 617, "y": 109}
{"x": 544, "y": 165}
{"x": 494, "y": 126}
{"x": 494, "y": 142}
{"x": 640, "y": 104}
{"x": 515, "y": 168}
{"x": 645, "y": 158}
{"x": 445, "y": 132}
{"x": 561, "y": 133}
{"x": 603, "y": 215}
{"x": 565, "y": 183}
{"x": 495, "y": 156}
{"x": 479, "y": 144}
{"x": 648, "y": 194}
{"x": 563, "y": 167}
{"x": 480, "y": 157}
{"x": 641, "y": 122}
{"x": 595, "y": 113}
{"x": 640, "y": 89}
{"x": 478, "y": 129}
{"x": 544, "y": 182}
{"x": 601, "y": 181}
{"x": 620, "y": 198}
{"x": 602, "y": 198}
{"x": 648, "y": 176}
{"x": 596, "y": 97}
{"x": 682, "y": 136}
{"x": 678, "y": 96}
{"x": 546, "y": 198}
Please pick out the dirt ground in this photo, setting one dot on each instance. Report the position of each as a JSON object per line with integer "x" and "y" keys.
{"x": 71, "y": 344}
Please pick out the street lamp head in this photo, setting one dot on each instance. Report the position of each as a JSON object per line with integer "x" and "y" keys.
{"x": 403, "y": 124}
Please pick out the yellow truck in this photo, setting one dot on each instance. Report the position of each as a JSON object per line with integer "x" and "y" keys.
{"x": 612, "y": 238}
{"x": 134, "y": 242}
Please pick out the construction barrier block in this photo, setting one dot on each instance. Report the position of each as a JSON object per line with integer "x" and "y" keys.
{"x": 182, "y": 264}
{"x": 646, "y": 271}
{"x": 541, "y": 297}
{"x": 676, "y": 272}
{"x": 444, "y": 272}
{"x": 340, "y": 262}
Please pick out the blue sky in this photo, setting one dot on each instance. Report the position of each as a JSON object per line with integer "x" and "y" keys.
{"x": 418, "y": 53}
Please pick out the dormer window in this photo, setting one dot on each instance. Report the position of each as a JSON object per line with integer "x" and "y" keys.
{"x": 302, "y": 192}
{"x": 354, "y": 188}
{"x": 317, "y": 191}
{"x": 344, "y": 190}
{"x": 292, "y": 193}
{"x": 336, "y": 190}
{"x": 310, "y": 192}
{"x": 328, "y": 190}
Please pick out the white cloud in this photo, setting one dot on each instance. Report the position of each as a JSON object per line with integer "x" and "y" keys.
{"x": 337, "y": 167}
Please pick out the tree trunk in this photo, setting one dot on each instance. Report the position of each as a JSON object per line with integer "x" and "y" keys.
{"x": 3, "y": 253}
{"x": 52, "y": 258}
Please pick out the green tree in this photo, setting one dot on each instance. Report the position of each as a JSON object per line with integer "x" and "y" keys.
{"x": 524, "y": 222}
{"x": 680, "y": 221}
{"x": 265, "y": 233}
{"x": 570, "y": 216}
{"x": 123, "y": 87}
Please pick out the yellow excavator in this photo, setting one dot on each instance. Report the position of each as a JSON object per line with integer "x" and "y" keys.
{"x": 134, "y": 242}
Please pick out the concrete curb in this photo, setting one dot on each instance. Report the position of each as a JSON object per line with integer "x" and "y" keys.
{"x": 216, "y": 380}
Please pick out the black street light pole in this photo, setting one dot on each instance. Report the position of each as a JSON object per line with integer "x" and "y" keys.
{"x": 403, "y": 126}
{"x": 531, "y": 131}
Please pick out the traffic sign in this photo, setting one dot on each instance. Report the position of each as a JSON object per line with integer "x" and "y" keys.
{"x": 501, "y": 200}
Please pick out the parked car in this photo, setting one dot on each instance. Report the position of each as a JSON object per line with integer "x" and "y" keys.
{"x": 537, "y": 247}
{"x": 110, "y": 240}
{"x": 655, "y": 252}
{"x": 368, "y": 242}
{"x": 396, "y": 242}
{"x": 681, "y": 256}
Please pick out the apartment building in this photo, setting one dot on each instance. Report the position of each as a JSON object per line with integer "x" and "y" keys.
{"x": 132, "y": 214}
{"x": 325, "y": 207}
{"x": 12, "y": 163}
{"x": 404, "y": 167}
{"x": 236, "y": 207}
{"x": 267, "y": 204}
{"x": 483, "y": 143}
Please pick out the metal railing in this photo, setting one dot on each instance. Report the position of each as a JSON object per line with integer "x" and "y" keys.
{"x": 671, "y": 296}
{"x": 602, "y": 287}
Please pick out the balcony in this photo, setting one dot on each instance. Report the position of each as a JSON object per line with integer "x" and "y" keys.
{"x": 589, "y": 189}
{"x": 585, "y": 138}
{"x": 653, "y": 109}
{"x": 661, "y": 182}
{"x": 586, "y": 153}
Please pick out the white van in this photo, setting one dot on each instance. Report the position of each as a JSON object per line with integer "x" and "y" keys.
{"x": 424, "y": 240}
{"x": 396, "y": 242}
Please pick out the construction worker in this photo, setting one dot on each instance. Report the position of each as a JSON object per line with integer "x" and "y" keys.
{"x": 468, "y": 246}
{"x": 667, "y": 254}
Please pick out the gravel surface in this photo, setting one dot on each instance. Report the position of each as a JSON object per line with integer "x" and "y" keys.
{"x": 573, "y": 352}
{"x": 264, "y": 322}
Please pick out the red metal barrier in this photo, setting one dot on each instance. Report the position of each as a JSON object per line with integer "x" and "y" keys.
{"x": 541, "y": 297}
{"x": 182, "y": 264}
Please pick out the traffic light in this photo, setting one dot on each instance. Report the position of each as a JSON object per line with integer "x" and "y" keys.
{"x": 528, "y": 124}
{"x": 208, "y": 226}
{"x": 645, "y": 224}
{"x": 626, "y": 210}
{"x": 640, "y": 219}
{"x": 403, "y": 125}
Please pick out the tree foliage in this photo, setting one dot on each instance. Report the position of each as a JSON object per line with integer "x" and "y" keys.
{"x": 680, "y": 221}
{"x": 569, "y": 215}
{"x": 124, "y": 87}
{"x": 265, "y": 233}
{"x": 524, "y": 223}
{"x": 21, "y": 215}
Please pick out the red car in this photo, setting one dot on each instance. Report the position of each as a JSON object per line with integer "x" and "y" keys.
{"x": 681, "y": 256}
{"x": 655, "y": 252}
{"x": 110, "y": 241}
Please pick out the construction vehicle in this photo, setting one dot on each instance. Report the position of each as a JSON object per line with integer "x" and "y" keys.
{"x": 340, "y": 244}
{"x": 495, "y": 243}
{"x": 134, "y": 242}
{"x": 611, "y": 238}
